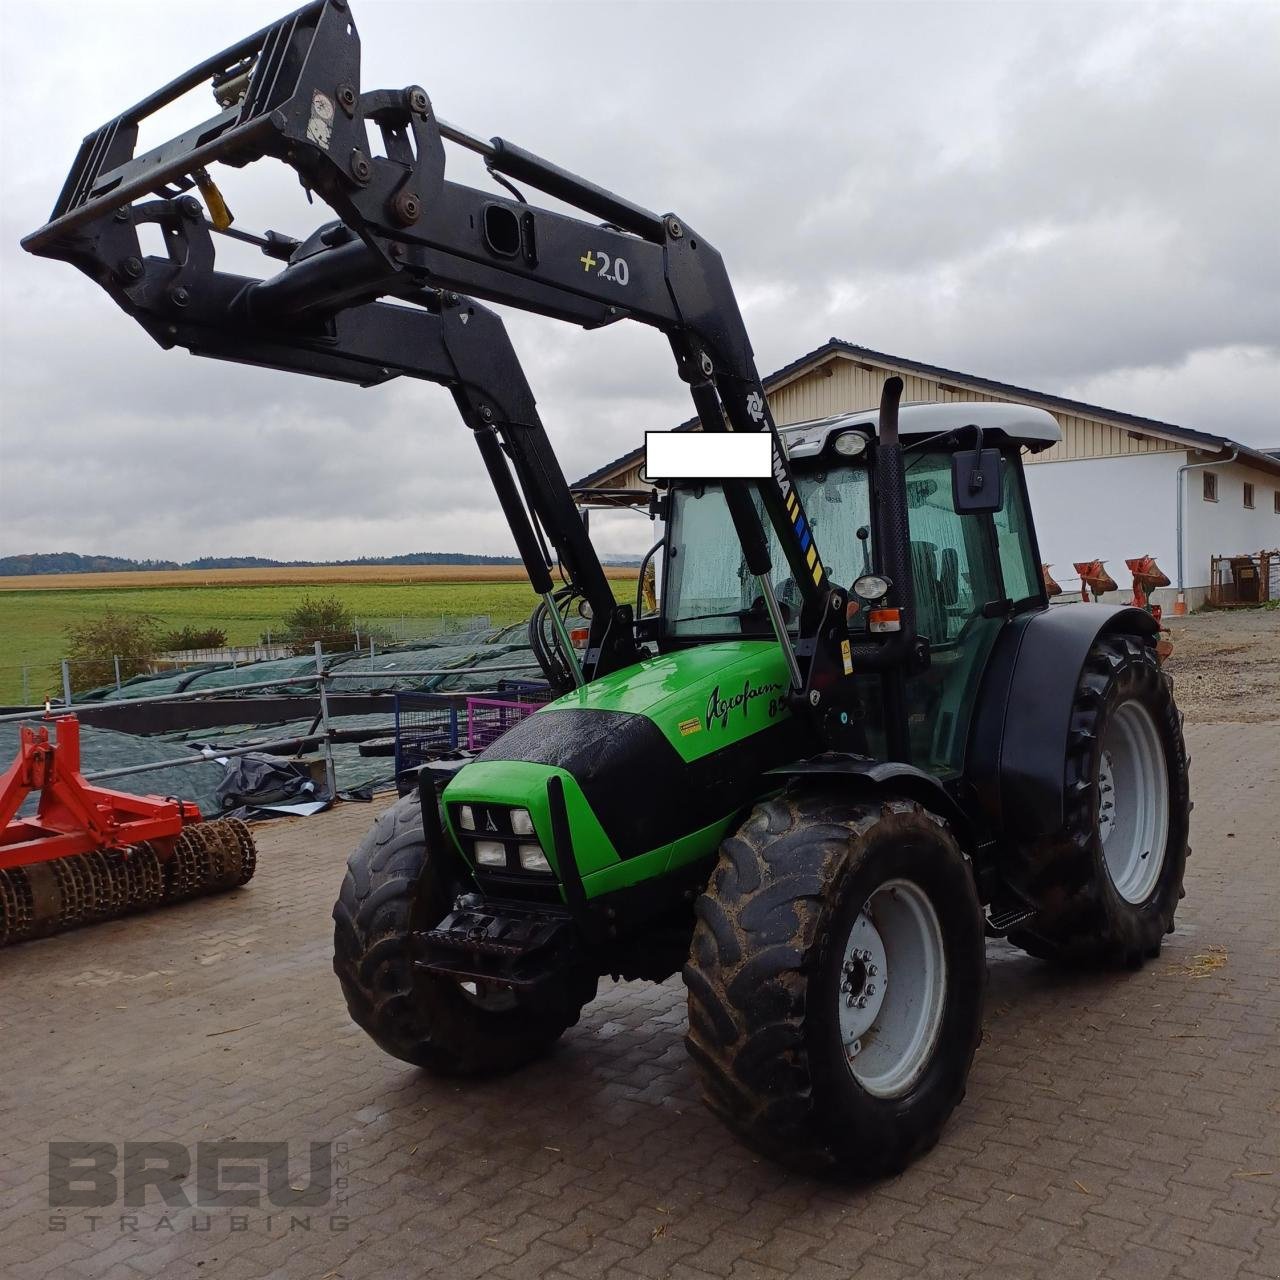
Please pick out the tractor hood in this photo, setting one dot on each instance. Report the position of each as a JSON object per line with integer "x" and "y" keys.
{"x": 700, "y": 699}
{"x": 649, "y": 756}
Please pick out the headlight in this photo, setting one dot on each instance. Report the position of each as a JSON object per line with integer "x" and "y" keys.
{"x": 466, "y": 819}
{"x": 533, "y": 859}
{"x": 871, "y": 586}
{"x": 522, "y": 823}
{"x": 490, "y": 853}
{"x": 849, "y": 444}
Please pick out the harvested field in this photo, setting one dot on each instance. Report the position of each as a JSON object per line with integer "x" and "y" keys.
{"x": 320, "y": 575}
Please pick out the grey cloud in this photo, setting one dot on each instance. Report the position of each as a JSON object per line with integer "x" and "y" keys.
{"x": 1077, "y": 198}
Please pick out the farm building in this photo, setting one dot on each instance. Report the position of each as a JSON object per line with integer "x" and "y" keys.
{"x": 1116, "y": 487}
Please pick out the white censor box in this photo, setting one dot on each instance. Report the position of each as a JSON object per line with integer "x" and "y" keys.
{"x": 707, "y": 455}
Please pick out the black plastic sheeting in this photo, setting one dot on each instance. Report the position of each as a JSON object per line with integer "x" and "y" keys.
{"x": 255, "y": 780}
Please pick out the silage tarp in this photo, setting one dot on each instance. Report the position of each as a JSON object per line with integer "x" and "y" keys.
{"x": 388, "y": 672}
{"x": 282, "y": 669}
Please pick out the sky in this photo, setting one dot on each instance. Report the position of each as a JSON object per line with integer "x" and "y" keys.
{"x": 1079, "y": 198}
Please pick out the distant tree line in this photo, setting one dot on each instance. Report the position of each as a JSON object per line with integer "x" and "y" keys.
{"x": 72, "y": 562}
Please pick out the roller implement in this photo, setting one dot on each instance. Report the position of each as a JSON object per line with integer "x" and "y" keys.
{"x": 848, "y": 743}
{"x": 90, "y": 854}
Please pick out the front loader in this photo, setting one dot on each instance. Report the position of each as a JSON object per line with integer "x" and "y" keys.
{"x": 810, "y": 781}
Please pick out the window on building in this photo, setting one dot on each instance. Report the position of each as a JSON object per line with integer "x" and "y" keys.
{"x": 1210, "y": 487}
{"x": 1248, "y": 495}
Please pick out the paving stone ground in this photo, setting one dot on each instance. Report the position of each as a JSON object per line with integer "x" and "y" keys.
{"x": 1122, "y": 1126}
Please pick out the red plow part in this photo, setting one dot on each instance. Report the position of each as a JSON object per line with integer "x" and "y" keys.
{"x": 1147, "y": 576}
{"x": 1094, "y": 578}
{"x": 90, "y": 853}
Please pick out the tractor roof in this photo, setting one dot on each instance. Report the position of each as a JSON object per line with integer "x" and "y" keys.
{"x": 1035, "y": 428}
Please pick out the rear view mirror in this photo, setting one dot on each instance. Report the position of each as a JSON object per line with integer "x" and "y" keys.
{"x": 976, "y": 478}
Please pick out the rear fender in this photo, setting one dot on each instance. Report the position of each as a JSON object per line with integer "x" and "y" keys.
{"x": 1018, "y": 744}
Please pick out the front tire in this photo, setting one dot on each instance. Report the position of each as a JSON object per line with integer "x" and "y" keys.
{"x": 802, "y": 1049}
{"x": 1108, "y": 885}
{"x": 392, "y": 889}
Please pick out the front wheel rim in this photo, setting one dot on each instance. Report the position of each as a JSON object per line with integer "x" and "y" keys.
{"x": 893, "y": 980}
{"x": 1133, "y": 802}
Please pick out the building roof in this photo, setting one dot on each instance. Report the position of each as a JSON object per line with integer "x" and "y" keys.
{"x": 1206, "y": 441}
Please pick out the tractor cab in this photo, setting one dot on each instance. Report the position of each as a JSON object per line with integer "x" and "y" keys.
{"x": 971, "y": 570}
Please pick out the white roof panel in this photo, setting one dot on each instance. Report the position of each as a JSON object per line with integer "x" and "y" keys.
{"x": 1035, "y": 428}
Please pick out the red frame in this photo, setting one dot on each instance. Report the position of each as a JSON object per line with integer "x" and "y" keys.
{"x": 75, "y": 816}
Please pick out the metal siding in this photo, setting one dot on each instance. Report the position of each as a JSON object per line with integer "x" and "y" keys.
{"x": 840, "y": 385}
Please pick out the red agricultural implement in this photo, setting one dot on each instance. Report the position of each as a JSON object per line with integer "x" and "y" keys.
{"x": 1094, "y": 578}
{"x": 1147, "y": 576}
{"x": 90, "y": 854}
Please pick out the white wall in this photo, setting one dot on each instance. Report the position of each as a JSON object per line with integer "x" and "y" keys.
{"x": 1109, "y": 508}
{"x": 1226, "y": 527}
{"x": 1118, "y": 508}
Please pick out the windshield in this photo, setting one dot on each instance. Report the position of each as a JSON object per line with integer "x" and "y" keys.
{"x": 709, "y": 589}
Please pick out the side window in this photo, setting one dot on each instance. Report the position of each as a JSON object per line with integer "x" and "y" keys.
{"x": 950, "y": 554}
{"x": 1021, "y": 576}
{"x": 955, "y": 573}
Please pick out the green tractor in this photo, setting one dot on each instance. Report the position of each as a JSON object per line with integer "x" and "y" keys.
{"x": 851, "y": 743}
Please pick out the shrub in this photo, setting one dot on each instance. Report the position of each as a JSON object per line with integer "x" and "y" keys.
{"x": 323, "y": 618}
{"x": 94, "y": 644}
{"x": 193, "y": 638}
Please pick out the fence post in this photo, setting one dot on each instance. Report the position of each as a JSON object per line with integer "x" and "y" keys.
{"x": 331, "y": 778}
{"x": 66, "y": 682}
{"x": 115, "y": 657}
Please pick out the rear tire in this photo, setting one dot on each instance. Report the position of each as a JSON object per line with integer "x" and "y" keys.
{"x": 810, "y": 896}
{"x": 392, "y": 889}
{"x": 1107, "y": 886}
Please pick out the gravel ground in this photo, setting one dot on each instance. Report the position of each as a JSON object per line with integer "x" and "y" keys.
{"x": 1226, "y": 665}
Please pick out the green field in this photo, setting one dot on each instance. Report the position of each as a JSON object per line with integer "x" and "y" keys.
{"x": 33, "y": 623}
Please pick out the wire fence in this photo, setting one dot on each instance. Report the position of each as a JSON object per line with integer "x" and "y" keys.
{"x": 449, "y": 716}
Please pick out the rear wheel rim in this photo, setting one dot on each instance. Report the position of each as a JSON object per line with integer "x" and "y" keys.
{"x": 892, "y": 993}
{"x": 1133, "y": 802}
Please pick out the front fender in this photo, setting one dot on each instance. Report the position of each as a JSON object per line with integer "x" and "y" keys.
{"x": 1018, "y": 744}
{"x": 866, "y": 779}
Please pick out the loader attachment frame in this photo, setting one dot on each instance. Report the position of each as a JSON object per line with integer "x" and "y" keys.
{"x": 406, "y": 232}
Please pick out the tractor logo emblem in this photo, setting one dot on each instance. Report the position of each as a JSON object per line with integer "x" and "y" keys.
{"x": 720, "y": 708}
{"x": 489, "y": 824}
{"x": 755, "y": 406}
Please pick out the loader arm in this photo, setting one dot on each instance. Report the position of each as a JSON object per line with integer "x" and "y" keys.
{"x": 291, "y": 91}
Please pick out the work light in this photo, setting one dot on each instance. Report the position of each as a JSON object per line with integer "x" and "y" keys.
{"x": 871, "y": 586}
{"x": 490, "y": 853}
{"x": 533, "y": 859}
{"x": 850, "y": 444}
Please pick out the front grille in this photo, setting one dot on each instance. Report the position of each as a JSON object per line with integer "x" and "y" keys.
{"x": 493, "y": 822}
